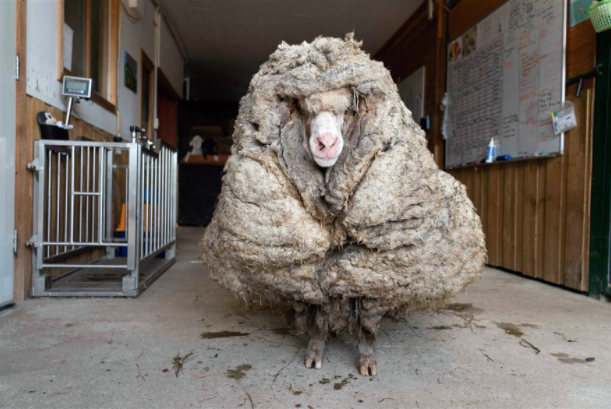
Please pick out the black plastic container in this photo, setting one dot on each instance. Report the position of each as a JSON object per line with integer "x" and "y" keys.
{"x": 51, "y": 131}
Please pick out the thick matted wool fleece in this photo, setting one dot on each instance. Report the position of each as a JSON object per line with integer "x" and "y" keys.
{"x": 383, "y": 226}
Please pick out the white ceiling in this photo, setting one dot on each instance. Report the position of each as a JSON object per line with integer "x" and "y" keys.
{"x": 227, "y": 40}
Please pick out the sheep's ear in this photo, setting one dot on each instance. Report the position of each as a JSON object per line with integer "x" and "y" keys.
{"x": 292, "y": 105}
{"x": 354, "y": 106}
{"x": 352, "y": 116}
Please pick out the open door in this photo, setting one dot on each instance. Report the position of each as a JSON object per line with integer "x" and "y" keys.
{"x": 167, "y": 111}
{"x": 600, "y": 236}
{"x": 8, "y": 43}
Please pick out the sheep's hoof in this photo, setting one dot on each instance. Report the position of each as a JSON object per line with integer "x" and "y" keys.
{"x": 367, "y": 365}
{"x": 313, "y": 358}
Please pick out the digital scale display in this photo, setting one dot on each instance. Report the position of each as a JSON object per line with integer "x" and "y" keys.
{"x": 76, "y": 87}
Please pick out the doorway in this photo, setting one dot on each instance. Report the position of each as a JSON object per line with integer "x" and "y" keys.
{"x": 8, "y": 43}
{"x": 600, "y": 239}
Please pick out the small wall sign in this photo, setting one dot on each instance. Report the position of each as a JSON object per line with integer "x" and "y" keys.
{"x": 131, "y": 73}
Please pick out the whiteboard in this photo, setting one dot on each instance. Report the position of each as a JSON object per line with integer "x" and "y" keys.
{"x": 505, "y": 78}
{"x": 411, "y": 91}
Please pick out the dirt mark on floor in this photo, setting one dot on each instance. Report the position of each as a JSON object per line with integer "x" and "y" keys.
{"x": 339, "y": 385}
{"x": 238, "y": 372}
{"x": 464, "y": 307}
{"x": 567, "y": 359}
{"x": 223, "y": 334}
{"x": 510, "y": 329}
{"x": 514, "y": 329}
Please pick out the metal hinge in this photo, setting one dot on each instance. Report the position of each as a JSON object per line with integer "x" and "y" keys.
{"x": 33, "y": 241}
{"x": 35, "y": 166}
{"x": 17, "y": 66}
{"x": 14, "y": 241}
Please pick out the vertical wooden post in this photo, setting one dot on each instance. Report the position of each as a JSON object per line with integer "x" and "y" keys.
{"x": 23, "y": 152}
{"x": 440, "y": 85}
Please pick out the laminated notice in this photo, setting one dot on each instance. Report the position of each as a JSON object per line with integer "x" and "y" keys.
{"x": 564, "y": 119}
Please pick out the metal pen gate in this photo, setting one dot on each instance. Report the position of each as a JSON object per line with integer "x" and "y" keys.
{"x": 83, "y": 193}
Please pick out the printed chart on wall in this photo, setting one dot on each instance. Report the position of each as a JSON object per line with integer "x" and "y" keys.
{"x": 505, "y": 78}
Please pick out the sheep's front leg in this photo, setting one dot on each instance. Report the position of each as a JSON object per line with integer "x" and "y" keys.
{"x": 365, "y": 332}
{"x": 314, "y": 353}
{"x": 366, "y": 363}
{"x": 318, "y": 332}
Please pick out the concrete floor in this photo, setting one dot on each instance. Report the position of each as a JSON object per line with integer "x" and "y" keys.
{"x": 510, "y": 342}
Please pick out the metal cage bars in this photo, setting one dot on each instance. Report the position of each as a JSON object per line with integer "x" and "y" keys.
{"x": 76, "y": 197}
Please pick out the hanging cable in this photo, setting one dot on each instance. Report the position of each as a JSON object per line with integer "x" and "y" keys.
{"x": 130, "y": 17}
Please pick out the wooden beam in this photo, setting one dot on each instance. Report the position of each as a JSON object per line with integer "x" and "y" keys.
{"x": 23, "y": 214}
{"x": 145, "y": 62}
{"x": 440, "y": 86}
{"x": 60, "y": 39}
{"x": 88, "y": 40}
{"x": 115, "y": 57}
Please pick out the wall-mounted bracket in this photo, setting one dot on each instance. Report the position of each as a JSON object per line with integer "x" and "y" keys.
{"x": 597, "y": 71}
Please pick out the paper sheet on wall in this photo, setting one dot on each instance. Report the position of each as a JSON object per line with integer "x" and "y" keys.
{"x": 578, "y": 11}
{"x": 68, "y": 42}
{"x": 411, "y": 91}
{"x": 505, "y": 77}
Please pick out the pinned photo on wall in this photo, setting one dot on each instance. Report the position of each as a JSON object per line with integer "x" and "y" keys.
{"x": 455, "y": 50}
{"x": 131, "y": 73}
{"x": 469, "y": 41}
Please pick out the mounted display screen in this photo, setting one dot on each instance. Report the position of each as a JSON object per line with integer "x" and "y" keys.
{"x": 76, "y": 87}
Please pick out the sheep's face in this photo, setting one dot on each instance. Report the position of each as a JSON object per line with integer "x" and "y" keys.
{"x": 326, "y": 141}
{"x": 323, "y": 126}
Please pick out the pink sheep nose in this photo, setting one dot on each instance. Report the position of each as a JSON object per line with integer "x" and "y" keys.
{"x": 327, "y": 145}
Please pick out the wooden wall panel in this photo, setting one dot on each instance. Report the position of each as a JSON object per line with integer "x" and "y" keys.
{"x": 529, "y": 218}
{"x": 535, "y": 214}
{"x": 578, "y": 193}
{"x": 518, "y": 218}
{"x": 494, "y": 219}
{"x": 508, "y": 240}
{"x": 543, "y": 230}
{"x": 540, "y": 215}
{"x": 554, "y": 220}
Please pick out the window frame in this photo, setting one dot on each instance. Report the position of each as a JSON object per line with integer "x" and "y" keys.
{"x": 147, "y": 63}
{"x": 108, "y": 102}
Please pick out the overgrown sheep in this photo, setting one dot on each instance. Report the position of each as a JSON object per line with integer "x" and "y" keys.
{"x": 331, "y": 204}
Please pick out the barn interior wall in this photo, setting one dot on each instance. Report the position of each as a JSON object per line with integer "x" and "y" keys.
{"x": 535, "y": 214}
{"x": 40, "y": 90}
{"x": 421, "y": 42}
